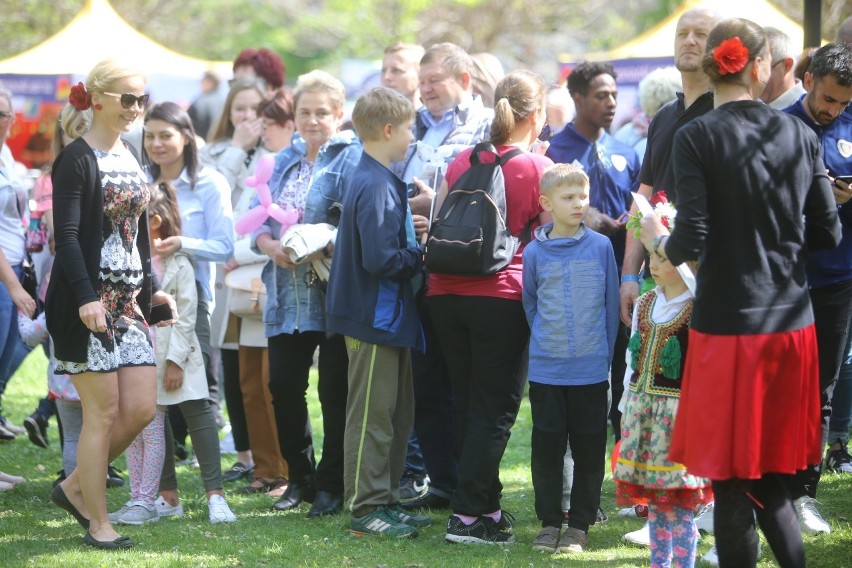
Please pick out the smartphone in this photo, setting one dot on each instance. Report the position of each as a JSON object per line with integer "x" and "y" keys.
{"x": 845, "y": 179}
{"x": 161, "y": 312}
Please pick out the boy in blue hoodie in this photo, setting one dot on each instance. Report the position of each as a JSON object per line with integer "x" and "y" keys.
{"x": 371, "y": 303}
{"x": 571, "y": 298}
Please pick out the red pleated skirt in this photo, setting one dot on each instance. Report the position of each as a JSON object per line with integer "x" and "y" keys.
{"x": 749, "y": 405}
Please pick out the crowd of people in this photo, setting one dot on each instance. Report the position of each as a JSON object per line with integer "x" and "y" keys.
{"x": 703, "y": 332}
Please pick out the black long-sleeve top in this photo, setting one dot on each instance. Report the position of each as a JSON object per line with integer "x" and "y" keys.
{"x": 78, "y": 205}
{"x": 753, "y": 196}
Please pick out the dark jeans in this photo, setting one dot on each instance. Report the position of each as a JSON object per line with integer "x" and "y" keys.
{"x": 841, "y": 402}
{"x": 482, "y": 340}
{"x": 435, "y": 410}
{"x": 563, "y": 415}
{"x": 234, "y": 398}
{"x": 413, "y": 456}
{"x": 290, "y": 360}
{"x": 737, "y": 503}
{"x": 832, "y": 311}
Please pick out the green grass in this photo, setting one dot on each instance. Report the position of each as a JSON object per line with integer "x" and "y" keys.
{"x": 35, "y": 533}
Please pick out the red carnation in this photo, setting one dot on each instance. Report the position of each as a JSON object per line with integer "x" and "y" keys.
{"x": 731, "y": 56}
{"x": 659, "y": 197}
{"x": 665, "y": 221}
{"x": 80, "y": 97}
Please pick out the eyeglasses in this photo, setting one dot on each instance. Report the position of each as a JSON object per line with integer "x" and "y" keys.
{"x": 5, "y": 115}
{"x": 127, "y": 100}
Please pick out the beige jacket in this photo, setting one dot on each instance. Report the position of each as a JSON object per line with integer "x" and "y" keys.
{"x": 178, "y": 343}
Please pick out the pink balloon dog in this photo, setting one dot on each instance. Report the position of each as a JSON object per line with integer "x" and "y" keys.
{"x": 255, "y": 216}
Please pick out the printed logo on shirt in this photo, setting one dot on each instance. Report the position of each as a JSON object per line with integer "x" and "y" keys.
{"x": 844, "y": 147}
{"x": 577, "y": 164}
{"x": 620, "y": 162}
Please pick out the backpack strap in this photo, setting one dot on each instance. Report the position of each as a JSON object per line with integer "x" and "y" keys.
{"x": 489, "y": 147}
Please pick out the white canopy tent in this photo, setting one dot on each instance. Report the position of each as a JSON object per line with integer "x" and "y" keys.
{"x": 97, "y": 33}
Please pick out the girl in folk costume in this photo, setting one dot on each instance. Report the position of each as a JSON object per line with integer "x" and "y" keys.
{"x": 643, "y": 473}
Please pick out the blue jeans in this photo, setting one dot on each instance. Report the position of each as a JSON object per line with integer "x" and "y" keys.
{"x": 9, "y": 335}
{"x": 841, "y": 404}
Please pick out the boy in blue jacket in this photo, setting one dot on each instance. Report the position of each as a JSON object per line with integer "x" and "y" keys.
{"x": 371, "y": 303}
{"x": 571, "y": 298}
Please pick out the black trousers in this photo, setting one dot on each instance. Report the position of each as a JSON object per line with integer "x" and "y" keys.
{"x": 290, "y": 360}
{"x": 738, "y": 501}
{"x": 832, "y": 307}
{"x": 483, "y": 340}
{"x": 563, "y": 415}
{"x": 234, "y": 398}
{"x": 435, "y": 410}
{"x": 619, "y": 367}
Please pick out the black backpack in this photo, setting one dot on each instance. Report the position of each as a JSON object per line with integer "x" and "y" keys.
{"x": 469, "y": 237}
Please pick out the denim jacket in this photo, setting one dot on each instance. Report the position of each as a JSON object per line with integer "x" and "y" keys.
{"x": 295, "y": 302}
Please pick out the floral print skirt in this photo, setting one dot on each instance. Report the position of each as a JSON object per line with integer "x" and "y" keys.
{"x": 643, "y": 473}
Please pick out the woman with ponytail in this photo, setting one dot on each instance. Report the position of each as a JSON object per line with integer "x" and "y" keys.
{"x": 753, "y": 197}
{"x": 480, "y": 321}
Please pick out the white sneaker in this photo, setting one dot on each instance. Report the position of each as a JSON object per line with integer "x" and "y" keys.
{"x": 704, "y": 519}
{"x": 166, "y": 510}
{"x": 642, "y": 537}
{"x": 135, "y": 513}
{"x": 219, "y": 510}
{"x": 809, "y": 518}
{"x": 712, "y": 556}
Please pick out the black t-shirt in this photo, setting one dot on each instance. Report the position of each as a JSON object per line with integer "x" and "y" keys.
{"x": 657, "y": 169}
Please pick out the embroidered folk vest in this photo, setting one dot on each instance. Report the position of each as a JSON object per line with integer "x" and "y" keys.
{"x": 656, "y": 352}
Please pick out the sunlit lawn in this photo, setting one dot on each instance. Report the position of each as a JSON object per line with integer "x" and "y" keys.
{"x": 34, "y": 533}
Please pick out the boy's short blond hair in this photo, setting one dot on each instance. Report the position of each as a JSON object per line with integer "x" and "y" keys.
{"x": 376, "y": 108}
{"x": 560, "y": 175}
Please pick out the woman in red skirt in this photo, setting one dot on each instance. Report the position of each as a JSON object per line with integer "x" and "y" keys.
{"x": 752, "y": 198}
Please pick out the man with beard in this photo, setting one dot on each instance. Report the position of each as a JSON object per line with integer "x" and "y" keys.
{"x": 828, "y": 83}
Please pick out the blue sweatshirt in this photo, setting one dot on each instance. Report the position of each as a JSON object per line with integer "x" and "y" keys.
{"x": 370, "y": 295}
{"x": 571, "y": 298}
{"x": 826, "y": 267}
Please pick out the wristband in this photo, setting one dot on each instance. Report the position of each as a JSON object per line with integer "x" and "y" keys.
{"x": 629, "y": 278}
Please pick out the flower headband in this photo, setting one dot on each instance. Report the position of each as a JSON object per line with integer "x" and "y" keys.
{"x": 662, "y": 209}
{"x": 80, "y": 98}
{"x": 731, "y": 56}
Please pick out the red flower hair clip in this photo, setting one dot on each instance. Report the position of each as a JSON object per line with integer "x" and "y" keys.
{"x": 80, "y": 98}
{"x": 731, "y": 56}
{"x": 659, "y": 197}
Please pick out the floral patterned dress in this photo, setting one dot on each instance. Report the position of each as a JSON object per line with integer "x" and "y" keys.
{"x": 126, "y": 341}
{"x": 643, "y": 473}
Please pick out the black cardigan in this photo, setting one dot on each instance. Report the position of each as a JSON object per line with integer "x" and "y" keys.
{"x": 78, "y": 214}
{"x": 753, "y": 197}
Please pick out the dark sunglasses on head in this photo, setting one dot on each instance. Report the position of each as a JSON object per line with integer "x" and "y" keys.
{"x": 127, "y": 99}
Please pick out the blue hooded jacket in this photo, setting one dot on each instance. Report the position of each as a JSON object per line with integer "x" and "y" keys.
{"x": 370, "y": 295}
{"x": 571, "y": 298}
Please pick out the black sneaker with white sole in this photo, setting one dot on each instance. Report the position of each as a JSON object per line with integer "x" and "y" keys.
{"x": 36, "y": 426}
{"x": 482, "y": 531}
{"x": 837, "y": 459}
